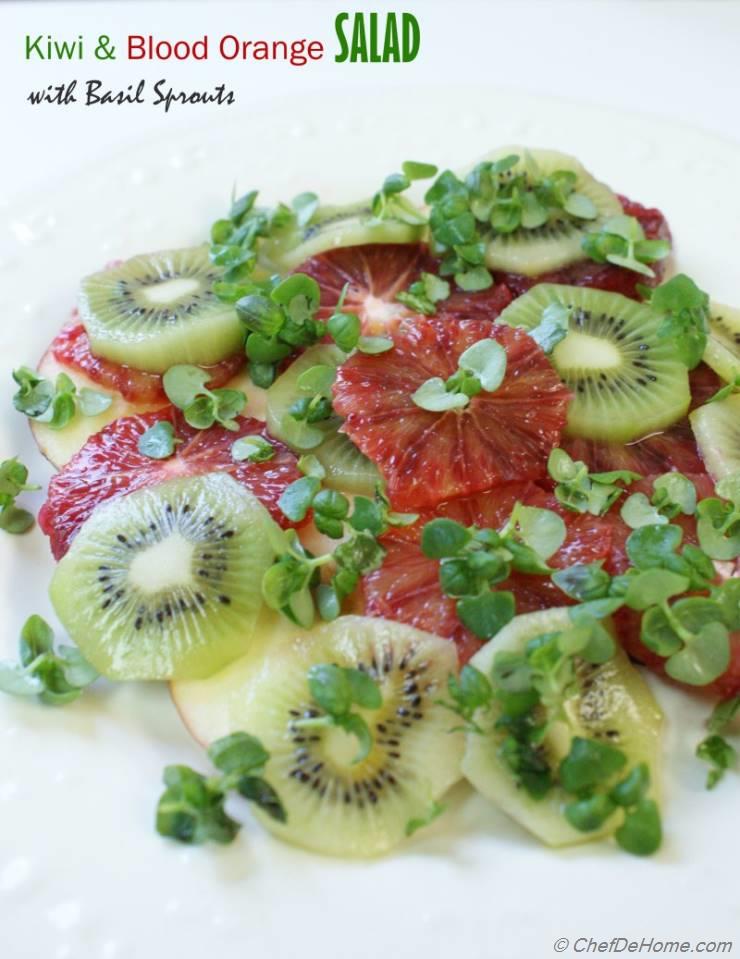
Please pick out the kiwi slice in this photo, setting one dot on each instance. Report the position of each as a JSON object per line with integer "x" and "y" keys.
{"x": 716, "y": 427}
{"x": 165, "y": 582}
{"x": 334, "y": 805}
{"x": 615, "y": 706}
{"x": 723, "y": 345}
{"x": 626, "y": 381}
{"x": 332, "y": 227}
{"x": 159, "y": 309}
{"x": 557, "y": 243}
{"x": 346, "y": 467}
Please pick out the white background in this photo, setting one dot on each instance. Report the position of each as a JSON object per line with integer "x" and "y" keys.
{"x": 675, "y": 59}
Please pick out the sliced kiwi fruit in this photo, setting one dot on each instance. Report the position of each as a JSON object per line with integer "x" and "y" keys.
{"x": 159, "y": 309}
{"x": 723, "y": 345}
{"x": 332, "y": 227}
{"x": 716, "y": 427}
{"x": 334, "y": 805}
{"x": 165, "y": 582}
{"x": 615, "y": 706}
{"x": 626, "y": 381}
{"x": 556, "y": 243}
{"x": 346, "y": 467}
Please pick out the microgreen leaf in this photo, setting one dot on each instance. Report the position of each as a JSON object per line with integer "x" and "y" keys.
{"x": 295, "y": 500}
{"x": 93, "y": 402}
{"x": 54, "y": 677}
{"x": 433, "y": 396}
{"x": 158, "y": 442}
{"x": 720, "y": 755}
{"x": 486, "y": 614}
{"x": 552, "y": 328}
{"x": 420, "y": 822}
{"x": 637, "y": 510}
{"x": 641, "y": 832}
{"x": 443, "y": 537}
{"x": 191, "y": 809}
{"x": 589, "y": 763}
{"x": 254, "y": 449}
{"x": 183, "y": 383}
{"x": 487, "y": 360}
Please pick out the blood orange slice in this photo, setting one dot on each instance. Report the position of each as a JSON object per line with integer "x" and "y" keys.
{"x": 375, "y": 274}
{"x": 602, "y": 276}
{"x": 427, "y": 457}
{"x": 110, "y": 465}
{"x": 71, "y": 348}
{"x": 406, "y": 587}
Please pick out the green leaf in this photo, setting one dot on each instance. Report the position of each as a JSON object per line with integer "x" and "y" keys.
{"x": 540, "y": 529}
{"x": 354, "y": 723}
{"x": 331, "y": 688}
{"x": 192, "y": 812}
{"x": 201, "y": 413}
{"x": 418, "y": 171}
{"x": 628, "y": 227}
{"x": 261, "y": 793}
{"x": 433, "y": 396}
{"x": 582, "y": 581}
{"x": 641, "y": 832}
{"x": 16, "y": 681}
{"x": 373, "y": 345}
{"x": 487, "y": 360}
{"x": 305, "y": 205}
{"x": 15, "y": 520}
{"x": 475, "y": 280}
{"x": 552, "y": 328}
{"x": 295, "y": 500}
{"x": 365, "y": 690}
{"x": 719, "y": 754}
{"x": 238, "y": 753}
{"x": 344, "y": 329}
{"x": 637, "y": 511}
{"x": 676, "y": 492}
{"x": 587, "y": 815}
{"x": 158, "y": 442}
{"x": 78, "y": 672}
{"x": 654, "y": 586}
{"x": 588, "y": 764}
{"x": 470, "y": 691}
{"x": 93, "y": 402}
{"x": 183, "y": 383}
{"x": 723, "y": 714}
{"x": 420, "y": 822}
{"x": 37, "y": 638}
{"x": 580, "y": 206}
{"x": 317, "y": 379}
{"x": 310, "y": 465}
{"x": 702, "y": 660}
{"x": 486, "y": 614}
{"x": 632, "y": 789}
{"x": 443, "y": 537}
{"x": 300, "y": 293}
{"x": 253, "y": 449}
{"x": 651, "y": 546}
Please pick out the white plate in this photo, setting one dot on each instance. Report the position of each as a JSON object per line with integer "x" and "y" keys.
{"x": 82, "y": 872}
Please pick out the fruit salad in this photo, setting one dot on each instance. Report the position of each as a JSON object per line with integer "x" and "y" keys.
{"x": 399, "y": 494}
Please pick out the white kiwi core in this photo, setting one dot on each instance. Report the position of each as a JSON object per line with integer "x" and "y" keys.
{"x": 163, "y": 565}
{"x": 170, "y": 291}
{"x": 579, "y": 351}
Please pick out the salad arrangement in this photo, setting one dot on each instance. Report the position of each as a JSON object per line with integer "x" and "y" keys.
{"x": 398, "y": 493}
